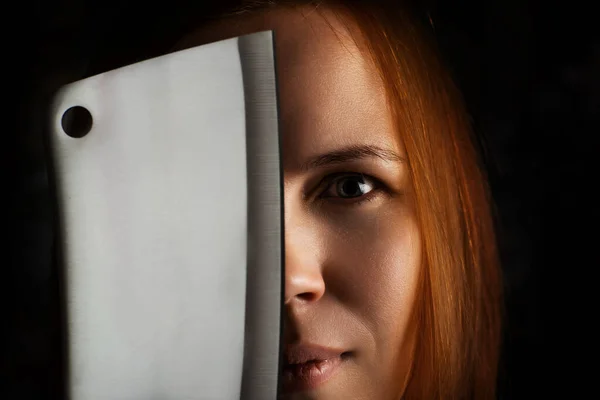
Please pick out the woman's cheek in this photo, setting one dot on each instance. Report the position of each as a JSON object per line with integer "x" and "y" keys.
{"x": 377, "y": 257}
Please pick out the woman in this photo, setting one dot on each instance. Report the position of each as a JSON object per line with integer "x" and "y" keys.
{"x": 392, "y": 285}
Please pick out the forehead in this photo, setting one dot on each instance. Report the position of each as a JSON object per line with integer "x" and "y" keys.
{"x": 330, "y": 94}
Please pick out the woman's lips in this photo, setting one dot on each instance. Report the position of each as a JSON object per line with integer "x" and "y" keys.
{"x": 309, "y": 366}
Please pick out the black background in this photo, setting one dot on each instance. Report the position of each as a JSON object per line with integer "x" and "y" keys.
{"x": 530, "y": 73}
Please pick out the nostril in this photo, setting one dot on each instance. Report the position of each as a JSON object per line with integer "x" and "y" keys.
{"x": 308, "y": 296}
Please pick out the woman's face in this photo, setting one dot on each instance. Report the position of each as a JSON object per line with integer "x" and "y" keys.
{"x": 352, "y": 247}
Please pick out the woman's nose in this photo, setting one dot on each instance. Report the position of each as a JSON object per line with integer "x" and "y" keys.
{"x": 303, "y": 275}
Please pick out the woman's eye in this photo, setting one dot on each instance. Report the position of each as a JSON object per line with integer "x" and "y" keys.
{"x": 350, "y": 186}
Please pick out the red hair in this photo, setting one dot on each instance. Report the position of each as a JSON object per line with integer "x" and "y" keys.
{"x": 459, "y": 313}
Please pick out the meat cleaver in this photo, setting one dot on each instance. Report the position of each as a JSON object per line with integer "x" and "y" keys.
{"x": 169, "y": 198}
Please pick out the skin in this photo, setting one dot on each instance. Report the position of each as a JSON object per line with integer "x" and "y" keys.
{"x": 352, "y": 255}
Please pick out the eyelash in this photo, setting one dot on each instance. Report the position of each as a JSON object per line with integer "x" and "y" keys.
{"x": 333, "y": 179}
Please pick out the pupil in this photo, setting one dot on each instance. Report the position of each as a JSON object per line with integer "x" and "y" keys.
{"x": 351, "y": 188}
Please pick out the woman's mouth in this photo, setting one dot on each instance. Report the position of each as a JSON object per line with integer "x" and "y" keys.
{"x": 308, "y": 366}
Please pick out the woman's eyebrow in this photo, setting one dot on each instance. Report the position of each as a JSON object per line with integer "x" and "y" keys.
{"x": 351, "y": 153}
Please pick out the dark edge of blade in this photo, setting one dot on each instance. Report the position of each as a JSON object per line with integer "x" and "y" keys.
{"x": 265, "y": 268}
